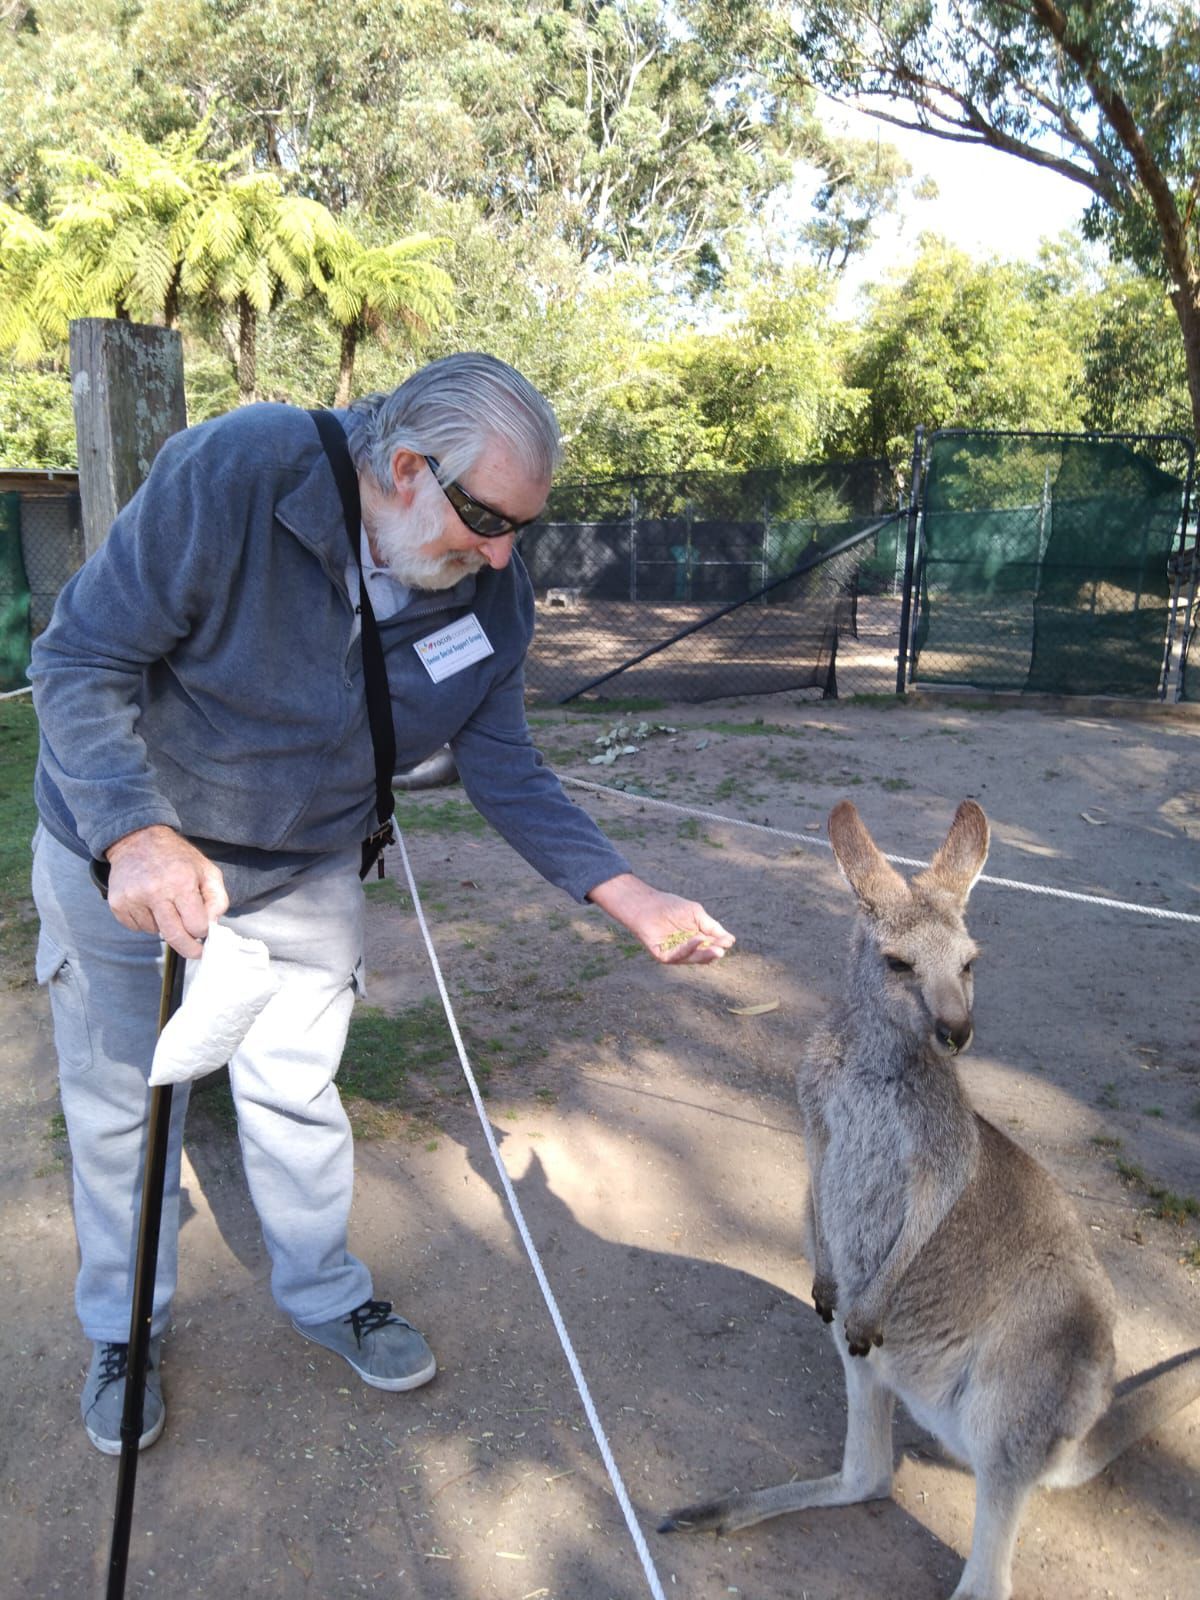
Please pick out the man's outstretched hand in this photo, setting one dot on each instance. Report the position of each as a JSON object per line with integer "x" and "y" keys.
{"x": 674, "y": 930}
{"x": 159, "y": 883}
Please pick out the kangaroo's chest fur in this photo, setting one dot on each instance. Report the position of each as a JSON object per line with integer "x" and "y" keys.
{"x": 878, "y": 1123}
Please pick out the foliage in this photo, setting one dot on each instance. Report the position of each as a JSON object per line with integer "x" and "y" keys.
{"x": 603, "y": 184}
{"x": 150, "y": 229}
{"x": 18, "y": 754}
{"x": 37, "y": 427}
{"x": 630, "y": 131}
{"x": 862, "y": 180}
{"x": 41, "y": 289}
{"x": 1101, "y": 91}
{"x": 367, "y": 287}
{"x": 954, "y": 343}
{"x": 766, "y": 388}
{"x": 1134, "y": 378}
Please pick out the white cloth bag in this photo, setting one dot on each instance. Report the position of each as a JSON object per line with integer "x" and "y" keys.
{"x": 230, "y": 986}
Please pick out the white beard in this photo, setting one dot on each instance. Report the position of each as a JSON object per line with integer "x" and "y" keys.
{"x": 398, "y": 536}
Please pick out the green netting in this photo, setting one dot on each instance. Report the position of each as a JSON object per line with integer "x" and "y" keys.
{"x": 14, "y": 597}
{"x": 1045, "y": 565}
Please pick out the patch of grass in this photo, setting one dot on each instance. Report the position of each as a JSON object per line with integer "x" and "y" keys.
{"x": 615, "y": 829}
{"x": 1106, "y": 1141}
{"x": 894, "y": 785}
{"x": 1108, "y": 1097}
{"x": 633, "y": 703}
{"x": 1168, "y": 1206}
{"x": 1155, "y": 1111}
{"x": 1172, "y": 1207}
{"x": 55, "y": 1140}
{"x": 687, "y": 830}
{"x": 212, "y": 1099}
{"x": 387, "y": 892}
{"x": 792, "y": 769}
{"x": 437, "y": 816}
{"x": 382, "y": 1049}
{"x": 884, "y": 702}
{"x": 980, "y": 705}
{"x": 756, "y": 728}
{"x": 18, "y": 818}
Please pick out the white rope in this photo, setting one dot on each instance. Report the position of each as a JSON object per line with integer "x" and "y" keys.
{"x": 900, "y": 861}
{"x": 614, "y": 1474}
{"x": 11, "y": 694}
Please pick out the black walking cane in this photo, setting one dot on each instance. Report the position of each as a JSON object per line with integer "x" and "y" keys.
{"x": 145, "y": 1267}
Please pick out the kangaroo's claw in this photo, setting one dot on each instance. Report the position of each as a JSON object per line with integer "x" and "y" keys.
{"x": 824, "y": 1293}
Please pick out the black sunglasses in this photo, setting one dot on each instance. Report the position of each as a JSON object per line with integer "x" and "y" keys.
{"x": 481, "y": 519}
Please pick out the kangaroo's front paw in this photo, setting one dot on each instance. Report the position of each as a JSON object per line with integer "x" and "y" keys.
{"x": 824, "y": 1293}
{"x": 862, "y": 1331}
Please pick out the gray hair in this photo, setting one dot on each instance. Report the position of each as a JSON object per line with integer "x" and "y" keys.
{"x": 451, "y": 409}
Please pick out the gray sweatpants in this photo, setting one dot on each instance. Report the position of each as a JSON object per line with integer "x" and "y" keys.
{"x": 104, "y": 984}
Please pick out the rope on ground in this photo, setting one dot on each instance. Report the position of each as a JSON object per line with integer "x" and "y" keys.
{"x": 11, "y": 694}
{"x": 614, "y": 1474}
{"x": 900, "y": 861}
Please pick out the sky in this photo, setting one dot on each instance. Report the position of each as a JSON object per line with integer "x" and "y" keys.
{"x": 988, "y": 204}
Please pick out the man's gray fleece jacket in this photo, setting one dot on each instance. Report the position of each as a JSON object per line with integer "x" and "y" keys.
{"x": 204, "y": 670}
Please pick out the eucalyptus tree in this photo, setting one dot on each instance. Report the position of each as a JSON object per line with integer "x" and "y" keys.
{"x": 1103, "y": 92}
{"x": 633, "y": 130}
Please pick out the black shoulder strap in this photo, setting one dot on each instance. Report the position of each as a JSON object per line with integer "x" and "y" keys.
{"x": 379, "y": 700}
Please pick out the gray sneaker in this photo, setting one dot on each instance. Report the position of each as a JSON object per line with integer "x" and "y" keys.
{"x": 385, "y": 1351}
{"x": 103, "y": 1398}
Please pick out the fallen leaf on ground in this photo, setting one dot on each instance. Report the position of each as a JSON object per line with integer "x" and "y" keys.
{"x": 753, "y": 1011}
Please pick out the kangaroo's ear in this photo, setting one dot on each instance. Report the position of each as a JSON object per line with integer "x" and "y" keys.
{"x": 960, "y": 860}
{"x": 876, "y": 883}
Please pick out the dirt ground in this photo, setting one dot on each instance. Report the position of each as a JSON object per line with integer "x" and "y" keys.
{"x": 652, "y": 1136}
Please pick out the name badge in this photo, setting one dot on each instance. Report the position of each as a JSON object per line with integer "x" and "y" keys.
{"x": 452, "y": 649}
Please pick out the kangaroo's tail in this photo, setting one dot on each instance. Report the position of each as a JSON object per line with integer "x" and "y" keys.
{"x": 1140, "y": 1404}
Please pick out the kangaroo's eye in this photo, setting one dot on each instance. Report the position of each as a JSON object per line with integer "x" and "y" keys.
{"x": 967, "y": 969}
{"x": 896, "y": 965}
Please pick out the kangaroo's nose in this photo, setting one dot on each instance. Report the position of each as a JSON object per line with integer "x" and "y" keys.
{"x": 954, "y": 1036}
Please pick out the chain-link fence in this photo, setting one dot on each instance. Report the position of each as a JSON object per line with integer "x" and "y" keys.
{"x": 703, "y": 585}
{"x": 1063, "y": 563}
{"x": 41, "y": 545}
{"x": 1045, "y": 562}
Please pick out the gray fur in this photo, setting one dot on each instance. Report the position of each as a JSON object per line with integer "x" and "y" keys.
{"x": 955, "y": 1273}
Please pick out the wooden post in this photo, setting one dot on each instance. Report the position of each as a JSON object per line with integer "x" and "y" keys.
{"x": 127, "y": 395}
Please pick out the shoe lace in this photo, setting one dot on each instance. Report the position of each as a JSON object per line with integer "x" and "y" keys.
{"x": 114, "y": 1360}
{"x": 371, "y": 1316}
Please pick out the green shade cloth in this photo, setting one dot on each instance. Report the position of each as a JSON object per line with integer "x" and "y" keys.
{"x": 14, "y": 597}
{"x": 1046, "y": 565}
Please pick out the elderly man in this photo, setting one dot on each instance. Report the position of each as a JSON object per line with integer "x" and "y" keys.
{"x": 204, "y": 730}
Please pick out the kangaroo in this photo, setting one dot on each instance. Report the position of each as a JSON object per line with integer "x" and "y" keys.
{"x": 954, "y": 1270}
